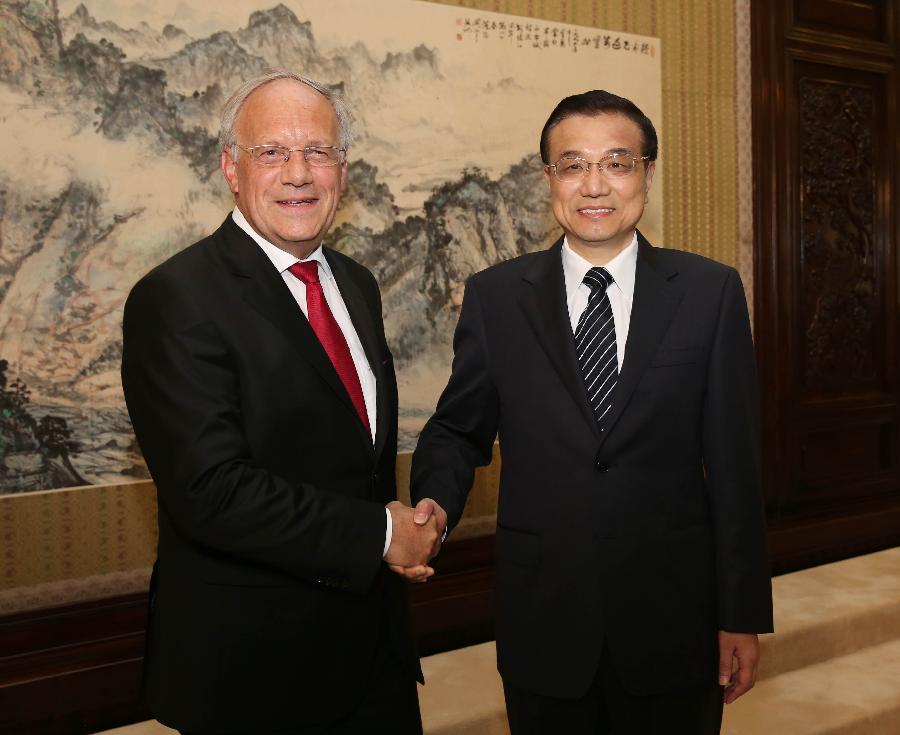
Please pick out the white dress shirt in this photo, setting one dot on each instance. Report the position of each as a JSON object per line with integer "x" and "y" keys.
{"x": 283, "y": 260}
{"x": 620, "y": 291}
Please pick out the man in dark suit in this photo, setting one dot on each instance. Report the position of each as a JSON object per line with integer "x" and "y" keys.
{"x": 263, "y": 395}
{"x": 631, "y": 558}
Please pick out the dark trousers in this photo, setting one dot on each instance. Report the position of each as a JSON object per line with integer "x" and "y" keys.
{"x": 390, "y": 705}
{"x": 607, "y": 709}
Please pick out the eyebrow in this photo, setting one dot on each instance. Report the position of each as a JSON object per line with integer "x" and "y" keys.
{"x": 609, "y": 152}
{"x": 310, "y": 144}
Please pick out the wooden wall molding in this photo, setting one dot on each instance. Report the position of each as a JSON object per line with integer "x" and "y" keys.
{"x": 863, "y": 20}
{"x": 73, "y": 669}
{"x": 814, "y": 54}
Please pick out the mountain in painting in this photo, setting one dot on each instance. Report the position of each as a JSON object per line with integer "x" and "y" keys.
{"x": 138, "y": 42}
{"x": 109, "y": 165}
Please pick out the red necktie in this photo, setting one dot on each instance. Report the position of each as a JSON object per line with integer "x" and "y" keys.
{"x": 330, "y": 335}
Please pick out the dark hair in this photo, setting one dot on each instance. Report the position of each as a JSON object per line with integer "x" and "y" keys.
{"x": 600, "y": 102}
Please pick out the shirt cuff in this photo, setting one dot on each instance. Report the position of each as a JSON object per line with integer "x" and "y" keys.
{"x": 388, "y": 532}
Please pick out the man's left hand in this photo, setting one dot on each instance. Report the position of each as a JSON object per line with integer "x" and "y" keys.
{"x": 743, "y": 647}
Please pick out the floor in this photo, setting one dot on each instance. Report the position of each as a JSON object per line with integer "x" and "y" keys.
{"x": 832, "y": 667}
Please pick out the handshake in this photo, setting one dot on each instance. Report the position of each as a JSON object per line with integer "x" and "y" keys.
{"x": 415, "y": 539}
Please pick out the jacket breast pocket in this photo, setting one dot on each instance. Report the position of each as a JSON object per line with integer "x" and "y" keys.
{"x": 670, "y": 357}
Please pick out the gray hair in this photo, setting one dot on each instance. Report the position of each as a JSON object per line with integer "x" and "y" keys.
{"x": 234, "y": 104}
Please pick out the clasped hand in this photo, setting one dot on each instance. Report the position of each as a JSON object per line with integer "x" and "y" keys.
{"x": 415, "y": 538}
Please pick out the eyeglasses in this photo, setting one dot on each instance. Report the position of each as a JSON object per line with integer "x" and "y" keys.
{"x": 320, "y": 156}
{"x": 616, "y": 166}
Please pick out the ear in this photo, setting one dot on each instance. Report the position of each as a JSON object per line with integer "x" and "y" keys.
{"x": 229, "y": 170}
{"x": 343, "y": 176}
{"x": 648, "y": 176}
{"x": 549, "y": 177}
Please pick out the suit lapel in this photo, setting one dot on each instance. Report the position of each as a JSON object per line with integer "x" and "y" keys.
{"x": 656, "y": 299}
{"x": 361, "y": 316}
{"x": 267, "y": 293}
{"x": 546, "y": 309}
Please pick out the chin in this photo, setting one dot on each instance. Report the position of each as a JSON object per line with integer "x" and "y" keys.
{"x": 298, "y": 236}
{"x": 598, "y": 238}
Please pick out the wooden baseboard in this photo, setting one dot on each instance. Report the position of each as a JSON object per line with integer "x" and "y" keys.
{"x": 73, "y": 669}
{"x": 455, "y": 608}
{"x": 805, "y": 542}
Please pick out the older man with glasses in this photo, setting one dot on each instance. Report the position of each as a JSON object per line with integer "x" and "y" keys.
{"x": 263, "y": 396}
{"x": 631, "y": 557}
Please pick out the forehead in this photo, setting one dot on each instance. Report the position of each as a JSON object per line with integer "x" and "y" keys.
{"x": 285, "y": 110}
{"x": 596, "y": 135}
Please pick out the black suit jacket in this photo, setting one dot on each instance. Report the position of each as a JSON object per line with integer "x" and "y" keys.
{"x": 269, "y": 594}
{"x": 649, "y": 536}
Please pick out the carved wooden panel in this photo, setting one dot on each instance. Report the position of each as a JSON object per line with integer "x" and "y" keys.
{"x": 839, "y": 432}
{"x": 864, "y": 18}
{"x": 827, "y": 229}
{"x": 840, "y": 310}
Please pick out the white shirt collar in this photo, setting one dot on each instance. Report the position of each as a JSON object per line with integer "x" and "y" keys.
{"x": 281, "y": 259}
{"x": 621, "y": 268}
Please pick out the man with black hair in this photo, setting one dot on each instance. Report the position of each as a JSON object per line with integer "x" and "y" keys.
{"x": 632, "y": 569}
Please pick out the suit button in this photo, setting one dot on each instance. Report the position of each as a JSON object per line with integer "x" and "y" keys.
{"x": 377, "y": 477}
{"x": 601, "y": 466}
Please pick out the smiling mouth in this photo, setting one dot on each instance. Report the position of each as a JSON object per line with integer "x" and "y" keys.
{"x": 304, "y": 202}
{"x": 596, "y": 211}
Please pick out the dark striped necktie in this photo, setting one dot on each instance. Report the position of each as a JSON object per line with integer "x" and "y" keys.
{"x": 595, "y": 344}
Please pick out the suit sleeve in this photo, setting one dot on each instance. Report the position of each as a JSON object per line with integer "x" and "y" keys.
{"x": 461, "y": 433}
{"x": 183, "y": 395}
{"x": 731, "y": 461}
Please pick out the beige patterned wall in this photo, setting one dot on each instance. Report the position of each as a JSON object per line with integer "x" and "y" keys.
{"x": 62, "y": 546}
{"x": 70, "y": 545}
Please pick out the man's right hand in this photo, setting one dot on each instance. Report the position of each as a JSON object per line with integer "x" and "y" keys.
{"x": 412, "y": 544}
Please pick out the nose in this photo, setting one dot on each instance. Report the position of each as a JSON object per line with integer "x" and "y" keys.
{"x": 296, "y": 171}
{"x": 594, "y": 183}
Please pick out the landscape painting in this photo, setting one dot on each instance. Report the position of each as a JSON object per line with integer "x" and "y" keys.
{"x": 109, "y": 162}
